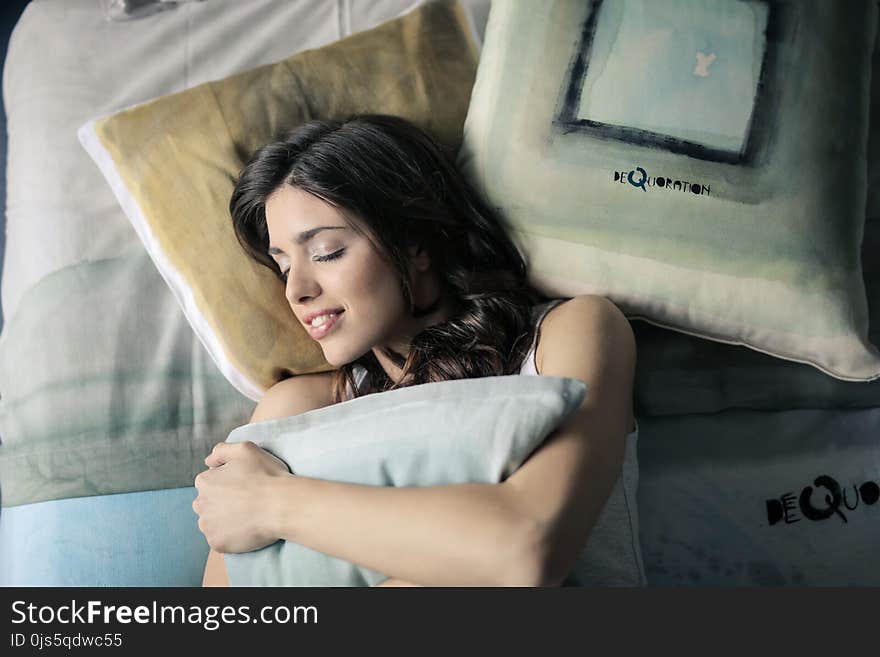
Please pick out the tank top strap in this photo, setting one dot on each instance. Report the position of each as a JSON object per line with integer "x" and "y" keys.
{"x": 360, "y": 373}
{"x": 539, "y": 311}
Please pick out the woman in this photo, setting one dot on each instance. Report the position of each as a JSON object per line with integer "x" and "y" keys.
{"x": 404, "y": 276}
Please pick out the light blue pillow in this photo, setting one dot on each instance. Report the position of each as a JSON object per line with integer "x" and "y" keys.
{"x": 467, "y": 430}
{"x": 143, "y": 538}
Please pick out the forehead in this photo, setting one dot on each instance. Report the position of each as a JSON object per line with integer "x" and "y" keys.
{"x": 295, "y": 216}
{"x": 291, "y": 205}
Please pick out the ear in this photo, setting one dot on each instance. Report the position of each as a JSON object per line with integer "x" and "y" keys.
{"x": 419, "y": 260}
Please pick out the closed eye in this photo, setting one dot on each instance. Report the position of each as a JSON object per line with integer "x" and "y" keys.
{"x": 332, "y": 256}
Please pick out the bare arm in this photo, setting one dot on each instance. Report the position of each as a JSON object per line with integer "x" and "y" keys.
{"x": 395, "y": 582}
{"x": 565, "y": 483}
{"x": 526, "y": 531}
{"x": 451, "y": 535}
{"x": 215, "y": 571}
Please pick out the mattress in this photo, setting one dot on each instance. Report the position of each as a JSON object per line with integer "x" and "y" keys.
{"x": 109, "y": 403}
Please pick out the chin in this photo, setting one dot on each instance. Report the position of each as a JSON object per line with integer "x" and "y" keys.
{"x": 335, "y": 359}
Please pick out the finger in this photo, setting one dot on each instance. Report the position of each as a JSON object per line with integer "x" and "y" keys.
{"x": 218, "y": 456}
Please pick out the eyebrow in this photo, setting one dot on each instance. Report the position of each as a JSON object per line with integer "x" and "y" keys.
{"x": 306, "y": 235}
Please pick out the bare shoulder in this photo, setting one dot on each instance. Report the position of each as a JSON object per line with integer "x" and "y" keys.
{"x": 584, "y": 318}
{"x": 298, "y": 394}
{"x": 588, "y": 337}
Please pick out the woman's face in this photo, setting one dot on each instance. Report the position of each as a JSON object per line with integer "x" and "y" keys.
{"x": 331, "y": 267}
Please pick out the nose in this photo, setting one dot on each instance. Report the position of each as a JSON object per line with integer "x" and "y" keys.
{"x": 299, "y": 288}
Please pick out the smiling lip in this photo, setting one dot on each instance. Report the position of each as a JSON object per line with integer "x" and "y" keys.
{"x": 319, "y": 332}
{"x": 307, "y": 320}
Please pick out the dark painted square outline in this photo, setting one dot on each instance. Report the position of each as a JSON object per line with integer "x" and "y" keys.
{"x": 757, "y": 131}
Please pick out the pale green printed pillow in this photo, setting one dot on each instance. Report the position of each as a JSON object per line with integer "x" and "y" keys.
{"x": 701, "y": 164}
{"x": 104, "y": 387}
{"x": 467, "y": 430}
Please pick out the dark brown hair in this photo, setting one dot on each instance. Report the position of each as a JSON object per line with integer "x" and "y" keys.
{"x": 407, "y": 190}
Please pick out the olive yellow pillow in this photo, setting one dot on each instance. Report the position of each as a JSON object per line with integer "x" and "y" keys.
{"x": 172, "y": 163}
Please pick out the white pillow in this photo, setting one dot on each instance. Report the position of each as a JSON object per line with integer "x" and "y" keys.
{"x": 466, "y": 430}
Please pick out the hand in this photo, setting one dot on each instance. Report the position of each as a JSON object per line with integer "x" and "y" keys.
{"x": 395, "y": 582}
{"x": 234, "y": 497}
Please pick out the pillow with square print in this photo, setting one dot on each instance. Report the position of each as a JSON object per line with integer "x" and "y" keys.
{"x": 172, "y": 163}
{"x": 701, "y": 164}
{"x": 678, "y": 373}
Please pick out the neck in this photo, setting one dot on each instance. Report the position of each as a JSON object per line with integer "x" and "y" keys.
{"x": 435, "y": 313}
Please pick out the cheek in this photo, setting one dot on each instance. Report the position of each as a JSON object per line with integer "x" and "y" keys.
{"x": 375, "y": 289}
{"x": 374, "y": 279}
